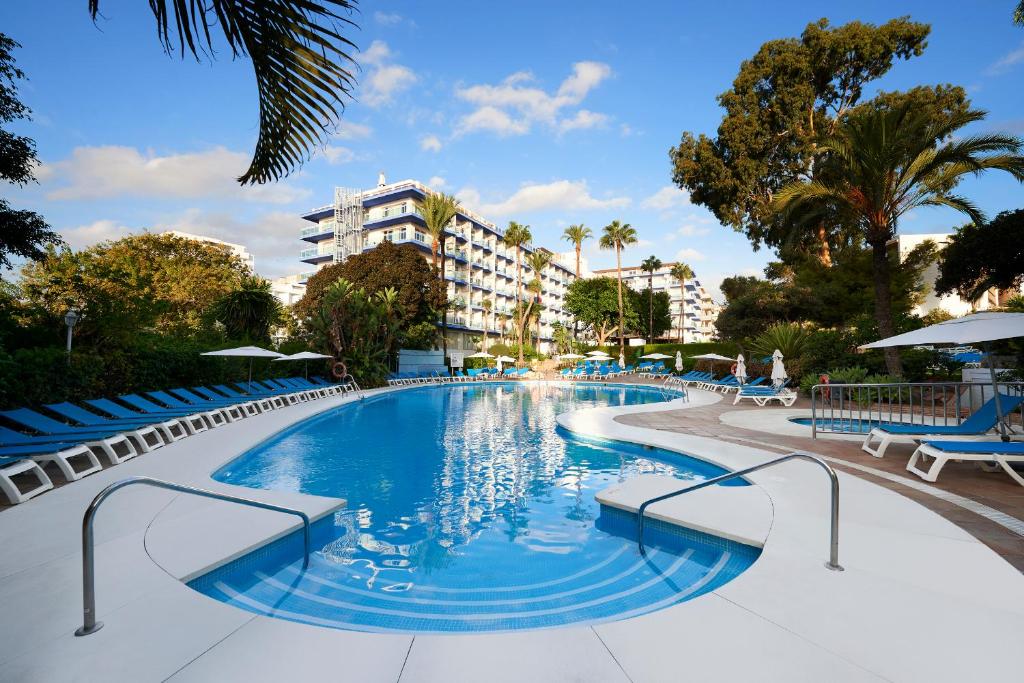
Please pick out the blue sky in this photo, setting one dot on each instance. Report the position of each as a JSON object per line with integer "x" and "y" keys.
{"x": 550, "y": 114}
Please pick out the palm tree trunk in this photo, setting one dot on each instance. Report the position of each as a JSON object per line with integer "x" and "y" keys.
{"x": 444, "y": 312}
{"x": 824, "y": 251}
{"x": 433, "y": 252}
{"x": 883, "y": 304}
{"x": 618, "y": 268}
{"x": 579, "y": 245}
{"x": 682, "y": 289}
{"x": 520, "y": 316}
{"x": 650, "y": 302}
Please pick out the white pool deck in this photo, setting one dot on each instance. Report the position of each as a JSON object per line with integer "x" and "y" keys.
{"x": 920, "y": 600}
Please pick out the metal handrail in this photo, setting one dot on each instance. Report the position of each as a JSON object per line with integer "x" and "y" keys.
{"x": 833, "y": 562}
{"x": 89, "y": 623}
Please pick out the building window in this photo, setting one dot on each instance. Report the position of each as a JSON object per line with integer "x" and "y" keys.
{"x": 419, "y": 236}
{"x": 402, "y": 208}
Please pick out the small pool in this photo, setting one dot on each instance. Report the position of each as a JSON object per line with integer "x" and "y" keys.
{"x": 845, "y": 426}
{"x": 468, "y": 510}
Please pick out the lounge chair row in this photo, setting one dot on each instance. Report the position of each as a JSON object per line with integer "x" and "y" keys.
{"x": 73, "y": 438}
{"x": 596, "y": 371}
{"x": 400, "y": 379}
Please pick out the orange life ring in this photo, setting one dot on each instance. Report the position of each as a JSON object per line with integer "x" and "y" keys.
{"x": 339, "y": 373}
{"x": 732, "y": 370}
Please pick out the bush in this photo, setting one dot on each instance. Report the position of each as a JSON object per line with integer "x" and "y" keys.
{"x": 46, "y": 375}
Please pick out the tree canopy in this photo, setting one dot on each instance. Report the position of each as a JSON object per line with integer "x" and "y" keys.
{"x": 594, "y": 303}
{"x": 790, "y": 93}
{"x": 644, "y": 302}
{"x": 139, "y": 283}
{"x": 980, "y": 257}
{"x": 421, "y": 296}
{"x": 23, "y": 233}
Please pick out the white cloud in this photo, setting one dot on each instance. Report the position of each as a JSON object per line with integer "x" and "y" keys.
{"x": 668, "y": 197}
{"x": 689, "y": 254}
{"x": 83, "y": 236}
{"x": 387, "y": 18}
{"x": 691, "y": 230}
{"x": 560, "y": 194}
{"x": 1007, "y": 61}
{"x": 492, "y": 119}
{"x": 625, "y": 130}
{"x": 116, "y": 171}
{"x": 336, "y": 154}
{"x": 437, "y": 182}
{"x": 583, "y": 120}
{"x": 430, "y": 143}
{"x": 353, "y": 131}
{"x": 512, "y": 106}
{"x": 384, "y": 80}
{"x": 270, "y": 237}
{"x": 470, "y": 197}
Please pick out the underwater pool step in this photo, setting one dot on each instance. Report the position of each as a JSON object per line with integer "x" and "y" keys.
{"x": 666, "y": 579}
{"x": 737, "y": 513}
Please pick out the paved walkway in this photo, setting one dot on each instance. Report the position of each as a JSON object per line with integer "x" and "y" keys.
{"x": 958, "y": 480}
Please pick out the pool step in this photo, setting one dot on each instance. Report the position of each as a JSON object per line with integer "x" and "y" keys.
{"x": 617, "y": 584}
{"x": 737, "y": 513}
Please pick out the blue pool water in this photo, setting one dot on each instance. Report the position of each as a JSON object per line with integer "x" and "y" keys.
{"x": 842, "y": 425}
{"x": 468, "y": 510}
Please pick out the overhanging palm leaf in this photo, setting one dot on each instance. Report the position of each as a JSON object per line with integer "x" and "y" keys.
{"x": 299, "y": 58}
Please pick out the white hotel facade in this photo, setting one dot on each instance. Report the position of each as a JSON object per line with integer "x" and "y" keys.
{"x": 690, "y": 304}
{"x": 479, "y": 265}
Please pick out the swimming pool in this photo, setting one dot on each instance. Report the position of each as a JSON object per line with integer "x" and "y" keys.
{"x": 468, "y": 510}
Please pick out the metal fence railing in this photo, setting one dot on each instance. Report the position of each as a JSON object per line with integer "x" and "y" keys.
{"x": 856, "y": 408}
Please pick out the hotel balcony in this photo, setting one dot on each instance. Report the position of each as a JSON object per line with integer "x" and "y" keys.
{"x": 317, "y": 233}
{"x": 314, "y": 256}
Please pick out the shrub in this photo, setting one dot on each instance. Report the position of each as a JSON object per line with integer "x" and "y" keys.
{"x": 789, "y": 338}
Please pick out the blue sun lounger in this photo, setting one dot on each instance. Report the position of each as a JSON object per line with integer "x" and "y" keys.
{"x": 115, "y": 444}
{"x": 1003, "y": 453}
{"x": 74, "y": 458}
{"x": 21, "y": 467}
{"x": 981, "y": 421}
{"x": 154, "y": 432}
{"x": 198, "y": 421}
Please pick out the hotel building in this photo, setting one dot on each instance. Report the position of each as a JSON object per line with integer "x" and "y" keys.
{"x": 690, "y": 304}
{"x": 479, "y": 266}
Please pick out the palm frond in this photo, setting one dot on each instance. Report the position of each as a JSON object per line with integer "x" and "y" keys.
{"x": 300, "y": 59}
{"x": 961, "y": 204}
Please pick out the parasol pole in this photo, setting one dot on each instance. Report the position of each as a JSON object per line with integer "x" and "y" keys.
{"x": 995, "y": 388}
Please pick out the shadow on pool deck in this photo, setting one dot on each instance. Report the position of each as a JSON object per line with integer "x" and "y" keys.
{"x": 995, "y": 489}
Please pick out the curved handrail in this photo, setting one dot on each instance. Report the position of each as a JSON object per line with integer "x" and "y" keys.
{"x": 89, "y": 623}
{"x": 833, "y": 562}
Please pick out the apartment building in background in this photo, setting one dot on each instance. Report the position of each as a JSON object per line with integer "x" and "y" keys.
{"x": 237, "y": 249}
{"x": 479, "y": 265}
{"x": 693, "y": 311}
{"x": 950, "y": 303}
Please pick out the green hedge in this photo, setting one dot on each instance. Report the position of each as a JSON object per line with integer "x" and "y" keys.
{"x": 35, "y": 376}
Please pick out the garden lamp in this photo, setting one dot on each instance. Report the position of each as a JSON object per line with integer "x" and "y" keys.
{"x": 70, "y": 318}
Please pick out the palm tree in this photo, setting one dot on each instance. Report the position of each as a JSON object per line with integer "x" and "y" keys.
{"x": 250, "y": 312}
{"x": 617, "y": 235}
{"x": 886, "y": 162}
{"x": 538, "y": 260}
{"x": 650, "y": 264}
{"x": 577, "y": 234}
{"x": 681, "y": 272}
{"x": 487, "y": 305}
{"x": 439, "y": 210}
{"x": 1018, "y": 14}
{"x": 299, "y": 57}
{"x": 517, "y": 236}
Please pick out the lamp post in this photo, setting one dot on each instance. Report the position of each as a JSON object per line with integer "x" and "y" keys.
{"x": 70, "y": 318}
